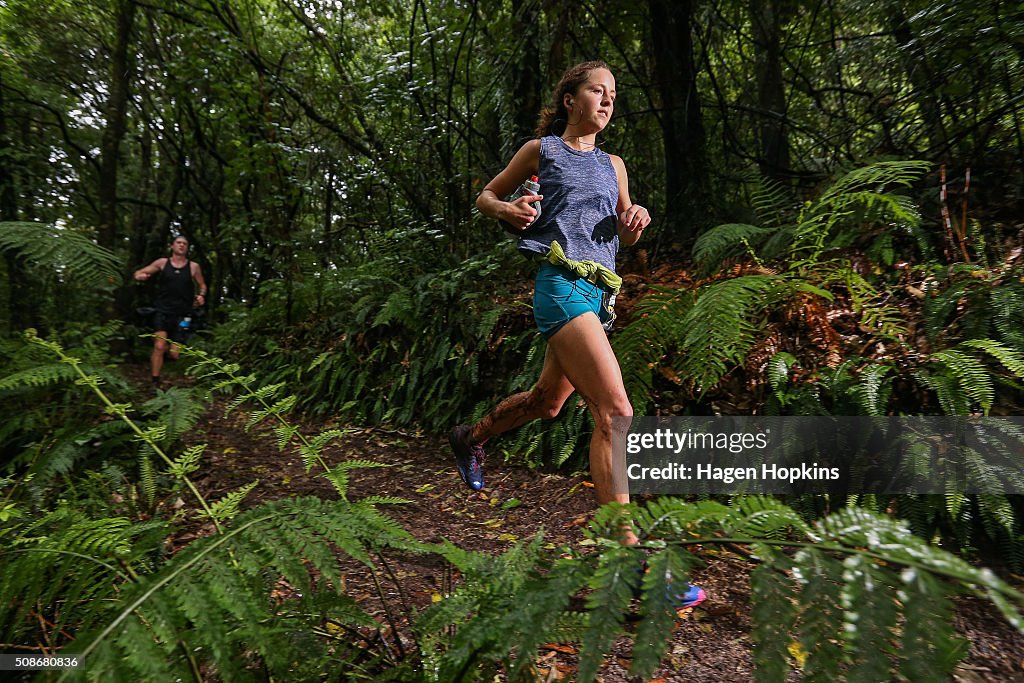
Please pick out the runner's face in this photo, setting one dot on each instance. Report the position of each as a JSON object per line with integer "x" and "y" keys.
{"x": 594, "y": 101}
{"x": 179, "y": 247}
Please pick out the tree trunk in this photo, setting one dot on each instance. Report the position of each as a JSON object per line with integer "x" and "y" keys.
{"x": 767, "y": 18}
{"x": 20, "y": 311}
{"x": 113, "y": 133}
{"x": 675, "y": 71}
{"x": 920, "y": 75}
{"x": 526, "y": 88}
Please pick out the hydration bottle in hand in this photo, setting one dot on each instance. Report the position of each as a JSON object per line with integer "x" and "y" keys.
{"x": 531, "y": 186}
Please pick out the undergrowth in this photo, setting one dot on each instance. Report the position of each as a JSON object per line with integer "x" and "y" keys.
{"x": 260, "y": 593}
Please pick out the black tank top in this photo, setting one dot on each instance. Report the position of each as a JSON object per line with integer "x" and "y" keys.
{"x": 175, "y": 291}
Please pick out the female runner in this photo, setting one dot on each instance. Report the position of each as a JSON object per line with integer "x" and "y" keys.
{"x": 586, "y": 214}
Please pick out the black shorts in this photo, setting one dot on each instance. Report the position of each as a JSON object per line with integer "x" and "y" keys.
{"x": 168, "y": 322}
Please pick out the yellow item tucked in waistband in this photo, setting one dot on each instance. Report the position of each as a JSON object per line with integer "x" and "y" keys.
{"x": 591, "y": 271}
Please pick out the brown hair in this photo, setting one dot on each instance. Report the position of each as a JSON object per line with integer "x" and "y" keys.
{"x": 573, "y": 78}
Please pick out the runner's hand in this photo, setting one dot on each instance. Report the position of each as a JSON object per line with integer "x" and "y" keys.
{"x": 519, "y": 214}
{"x": 634, "y": 219}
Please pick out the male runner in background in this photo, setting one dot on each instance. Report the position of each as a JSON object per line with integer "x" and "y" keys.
{"x": 175, "y": 299}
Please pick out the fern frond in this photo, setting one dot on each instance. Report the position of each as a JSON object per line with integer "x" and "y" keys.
{"x": 773, "y": 618}
{"x": 398, "y": 307}
{"x": 39, "y": 376}
{"x": 279, "y": 408}
{"x": 1011, "y": 359}
{"x": 338, "y": 475}
{"x": 973, "y": 378}
{"x": 641, "y": 346}
{"x": 763, "y": 517}
{"x": 820, "y": 596}
{"x": 65, "y": 252}
{"x": 778, "y": 370}
{"x": 951, "y": 396}
{"x": 613, "y": 583}
{"x": 770, "y": 200}
{"x": 876, "y": 176}
{"x": 721, "y": 326}
{"x": 227, "y": 507}
{"x": 147, "y": 474}
{"x": 724, "y": 241}
{"x": 869, "y": 614}
{"x": 869, "y": 391}
{"x": 667, "y": 571}
{"x": 187, "y": 462}
{"x": 927, "y": 628}
{"x": 177, "y": 409}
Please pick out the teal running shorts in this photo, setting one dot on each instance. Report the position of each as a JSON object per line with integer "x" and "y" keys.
{"x": 559, "y": 296}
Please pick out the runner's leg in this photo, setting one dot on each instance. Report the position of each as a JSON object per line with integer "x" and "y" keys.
{"x": 544, "y": 400}
{"x": 582, "y": 350}
{"x": 156, "y": 359}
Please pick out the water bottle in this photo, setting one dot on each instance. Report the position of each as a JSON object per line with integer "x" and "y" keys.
{"x": 607, "y": 314}
{"x": 529, "y": 187}
{"x": 186, "y": 324}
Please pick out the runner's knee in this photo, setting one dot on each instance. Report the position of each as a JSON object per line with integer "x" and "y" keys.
{"x": 545, "y": 402}
{"x": 550, "y": 410}
{"x": 606, "y": 412}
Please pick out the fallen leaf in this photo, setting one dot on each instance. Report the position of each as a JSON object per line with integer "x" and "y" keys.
{"x": 798, "y": 653}
{"x": 559, "y": 647}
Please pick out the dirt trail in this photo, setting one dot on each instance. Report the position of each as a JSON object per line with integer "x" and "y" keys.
{"x": 711, "y": 644}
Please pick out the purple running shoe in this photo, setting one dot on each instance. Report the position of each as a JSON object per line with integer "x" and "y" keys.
{"x": 469, "y": 458}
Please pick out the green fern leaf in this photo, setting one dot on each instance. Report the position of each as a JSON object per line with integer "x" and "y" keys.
{"x": 227, "y": 507}
{"x": 1011, "y": 359}
{"x": 39, "y": 376}
{"x": 188, "y": 462}
{"x": 721, "y": 328}
{"x": 974, "y": 379}
{"x": 667, "y": 571}
{"x": 724, "y": 241}
{"x": 614, "y": 581}
{"x": 63, "y": 251}
{"x": 773, "y": 617}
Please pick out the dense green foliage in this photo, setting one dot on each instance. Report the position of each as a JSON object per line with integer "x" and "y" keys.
{"x": 835, "y": 189}
{"x": 267, "y": 582}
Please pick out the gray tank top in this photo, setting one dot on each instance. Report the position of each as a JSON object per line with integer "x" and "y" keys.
{"x": 580, "y": 192}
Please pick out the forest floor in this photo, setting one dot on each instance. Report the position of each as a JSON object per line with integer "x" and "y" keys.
{"x": 711, "y": 642}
